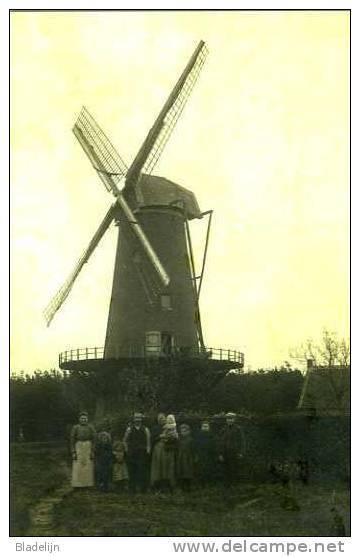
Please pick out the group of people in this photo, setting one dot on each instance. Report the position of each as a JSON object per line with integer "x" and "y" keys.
{"x": 165, "y": 457}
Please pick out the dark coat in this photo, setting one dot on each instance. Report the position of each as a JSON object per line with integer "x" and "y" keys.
{"x": 232, "y": 441}
{"x": 136, "y": 440}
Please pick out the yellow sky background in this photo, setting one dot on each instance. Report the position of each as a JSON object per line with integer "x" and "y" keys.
{"x": 264, "y": 141}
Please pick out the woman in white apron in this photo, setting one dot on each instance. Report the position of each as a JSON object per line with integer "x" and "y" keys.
{"x": 82, "y": 444}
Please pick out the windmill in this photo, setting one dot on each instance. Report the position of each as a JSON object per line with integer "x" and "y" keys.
{"x": 154, "y": 312}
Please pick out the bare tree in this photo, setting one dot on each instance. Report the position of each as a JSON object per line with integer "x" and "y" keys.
{"x": 329, "y": 358}
{"x": 344, "y": 352}
{"x": 330, "y": 351}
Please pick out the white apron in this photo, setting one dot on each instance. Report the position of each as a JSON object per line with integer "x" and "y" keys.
{"x": 83, "y": 466}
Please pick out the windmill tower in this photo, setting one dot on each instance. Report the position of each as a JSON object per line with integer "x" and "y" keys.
{"x": 154, "y": 316}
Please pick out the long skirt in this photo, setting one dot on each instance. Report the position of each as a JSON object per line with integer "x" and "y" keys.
{"x": 162, "y": 464}
{"x": 83, "y": 465}
{"x": 185, "y": 463}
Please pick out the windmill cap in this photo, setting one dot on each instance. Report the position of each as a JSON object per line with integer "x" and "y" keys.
{"x": 158, "y": 191}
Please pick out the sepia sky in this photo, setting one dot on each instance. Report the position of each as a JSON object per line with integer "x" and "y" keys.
{"x": 263, "y": 140}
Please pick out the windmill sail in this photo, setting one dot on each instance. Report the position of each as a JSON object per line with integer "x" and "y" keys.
{"x": 141, "y": 265}
{"x": 160, "y": 132}
{"x": 111, "y": 168}
{"x": 65, "y": 289}
{"x": 102, "y": 154}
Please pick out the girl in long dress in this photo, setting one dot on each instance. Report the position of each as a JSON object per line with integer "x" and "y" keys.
{"x": 120, "y": 471}
{"x": 82, "y": 444}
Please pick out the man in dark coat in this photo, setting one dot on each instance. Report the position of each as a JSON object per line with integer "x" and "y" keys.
{"x": 137, "y": 449}
{"x": 231, "y": 449}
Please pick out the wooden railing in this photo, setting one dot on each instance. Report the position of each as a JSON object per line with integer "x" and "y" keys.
{"x": 138, "y": 351}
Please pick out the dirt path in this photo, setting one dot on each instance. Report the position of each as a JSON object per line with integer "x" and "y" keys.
{"x": 41, "y": 515}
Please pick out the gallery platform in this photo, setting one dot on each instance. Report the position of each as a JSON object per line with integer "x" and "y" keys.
{"x": 93, "y": 359}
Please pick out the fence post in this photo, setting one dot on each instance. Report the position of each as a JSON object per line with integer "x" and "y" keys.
{"x": 86, "y": 353}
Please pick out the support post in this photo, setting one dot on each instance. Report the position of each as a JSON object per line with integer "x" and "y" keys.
{"x": 210, "y": 213}
{"x": 192, "y": 268}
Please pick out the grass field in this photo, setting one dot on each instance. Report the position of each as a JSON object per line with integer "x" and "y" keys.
{"x": 36, "y": 469}
{"x": 248, "y": 510}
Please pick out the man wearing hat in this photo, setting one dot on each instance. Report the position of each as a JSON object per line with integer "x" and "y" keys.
{"x": 137, "y": 449}
{"x": 231, "y": 449}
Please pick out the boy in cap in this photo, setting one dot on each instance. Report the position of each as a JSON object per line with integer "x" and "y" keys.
{"x": 103, "y": 460}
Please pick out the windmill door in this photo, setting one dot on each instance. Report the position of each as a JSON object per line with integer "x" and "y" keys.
{"x": 153, "y": 343}
{"x": 159, "y": 343}
{"x": 167, "y": 343}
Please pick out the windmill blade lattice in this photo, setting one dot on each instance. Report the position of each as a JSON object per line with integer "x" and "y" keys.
{"x": 141, "y": 264}
{"x": 174, "y": 112}
{"x": 103, "y": 156}
{"x": 65, "y": 289}
{"x": 111, "y": 168}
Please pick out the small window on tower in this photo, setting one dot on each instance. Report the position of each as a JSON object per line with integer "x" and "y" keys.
{"x": 165, "y": 300}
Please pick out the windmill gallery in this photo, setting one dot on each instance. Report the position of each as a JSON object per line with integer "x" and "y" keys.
{"x": 154, "y": 320}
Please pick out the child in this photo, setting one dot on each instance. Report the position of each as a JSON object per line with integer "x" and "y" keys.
{"x": 170, "y": 433}
{"x": 103, "y": 461}
{"x": 185, "y": 458}
{"x": 120, "y": 471}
